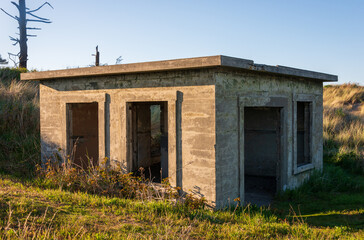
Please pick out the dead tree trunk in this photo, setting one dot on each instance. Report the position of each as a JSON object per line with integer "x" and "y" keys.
{"x": 23, "y": 58}
{"x": 22, "y": 20}
{"x": 97, "y": 62}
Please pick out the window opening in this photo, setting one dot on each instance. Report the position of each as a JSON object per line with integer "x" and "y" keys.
{"x": 303, "y": 133}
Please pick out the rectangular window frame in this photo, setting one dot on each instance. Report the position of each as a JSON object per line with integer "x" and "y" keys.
{"x": 311, "y": 100}
{"x": 174, "y": 101}
{"x": 103, "y": 101}
{"x": 264, "y": 100}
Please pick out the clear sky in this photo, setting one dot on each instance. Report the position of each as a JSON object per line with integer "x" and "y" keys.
{"x": 319, "y": 35}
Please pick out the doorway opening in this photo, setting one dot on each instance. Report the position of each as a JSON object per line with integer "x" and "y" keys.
{"x": 147, "y": 136}
{"x": 262, "y": 153}
{"x": 83, "y": 134}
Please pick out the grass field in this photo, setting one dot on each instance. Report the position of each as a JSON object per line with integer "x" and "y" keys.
{"x": 328, "y": 206}
{"x": 28, "y": 211}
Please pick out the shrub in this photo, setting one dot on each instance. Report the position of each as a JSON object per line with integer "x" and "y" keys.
{"x": 348, "y": 160}
{"x": 112, "y": 182}
{"x": 8, "y": 75}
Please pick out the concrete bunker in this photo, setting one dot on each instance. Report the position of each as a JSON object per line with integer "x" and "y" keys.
{"x": 147, "y": 128}
{"x": 222, "y": 127}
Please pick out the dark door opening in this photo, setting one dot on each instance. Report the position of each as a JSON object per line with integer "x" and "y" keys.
{"x": 262, "y": 138}
{"x": 83, "y": 134}
{"x": 148, "y": 139}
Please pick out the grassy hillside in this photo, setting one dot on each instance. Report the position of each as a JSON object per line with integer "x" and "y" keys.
{"x": 19, "y": 124}
{"x": 64, "y": 204}
{"x": 344, "y": 126}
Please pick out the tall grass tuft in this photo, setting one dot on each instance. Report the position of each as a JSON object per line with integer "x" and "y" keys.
{"x": 19, "y": 127}
{"x": 344, "y": 126}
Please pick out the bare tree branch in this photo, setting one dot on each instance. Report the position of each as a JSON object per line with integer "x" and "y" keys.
{"x": 46, "y": 3}
{"x": 35, "y": 20}
{"x": 16, "y": 40}
{"x": 15, "y": 17}
{"x": 31, "y": 35}
{"x": 30, "y": 28}
{"x": 15, "y": 56}
{"x": 16, "y": 5}
{"x": 118, "y": 60}
{"x": 45, "y": 19}
{"x": 33, "y": 28}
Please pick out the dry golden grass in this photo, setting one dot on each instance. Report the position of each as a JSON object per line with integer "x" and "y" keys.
{"x": 18, "y": 99}
{"x": 344, "y": 122}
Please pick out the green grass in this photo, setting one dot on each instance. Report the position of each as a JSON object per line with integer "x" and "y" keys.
{"x": 334, "y": 198}
{"x": 60, "y": 214}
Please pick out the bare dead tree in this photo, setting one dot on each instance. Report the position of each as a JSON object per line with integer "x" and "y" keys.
{"x": 97, "y": 56}
{"x": 25, "y": 15}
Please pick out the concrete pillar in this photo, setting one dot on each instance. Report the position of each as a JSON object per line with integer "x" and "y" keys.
{"x": 164, "y": 139}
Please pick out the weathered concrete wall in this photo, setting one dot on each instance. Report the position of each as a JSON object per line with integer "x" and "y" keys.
{"x": 232, "y": 85}
{"x": 196, "y": 92}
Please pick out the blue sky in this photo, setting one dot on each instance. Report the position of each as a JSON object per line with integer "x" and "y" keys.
{"x": 319, "y": 35}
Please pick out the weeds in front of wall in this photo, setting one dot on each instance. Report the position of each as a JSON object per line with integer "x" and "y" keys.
{"x": 112, "y": 182}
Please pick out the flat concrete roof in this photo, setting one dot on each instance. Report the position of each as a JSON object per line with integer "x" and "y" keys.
{"x": 178, "y": 64}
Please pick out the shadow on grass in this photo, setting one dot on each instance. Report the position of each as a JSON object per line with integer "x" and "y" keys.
{"x": 333, "y": 198}
{"x": 355, "y": 221}
{"x": 322, "y": 213}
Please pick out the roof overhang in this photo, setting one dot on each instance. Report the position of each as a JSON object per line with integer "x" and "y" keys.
{"x": 178, "y": 64}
